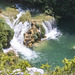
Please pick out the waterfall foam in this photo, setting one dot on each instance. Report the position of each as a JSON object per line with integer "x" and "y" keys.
{"x": 51, "y": 29}
{"x": 17, "y": 41}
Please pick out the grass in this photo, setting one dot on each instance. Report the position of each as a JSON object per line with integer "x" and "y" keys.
{"x": 40, "y": 18}
{"x": 25, "y": 17}
{"x": 10, "y": 12}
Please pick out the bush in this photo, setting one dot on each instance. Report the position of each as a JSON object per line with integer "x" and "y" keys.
{"x": 9, "y": 62}
{"x": 25, "y": 17}
{"x": 42, "y": 31}
{"x": 6, "y": 33}
{"x": 23, "y": 64}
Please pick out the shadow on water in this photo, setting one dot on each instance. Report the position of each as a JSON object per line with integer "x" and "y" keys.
{"x": 67, "y": 25}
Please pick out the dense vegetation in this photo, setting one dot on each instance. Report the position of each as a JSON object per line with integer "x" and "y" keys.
{"x": 9, "y": 62}
{"x": 6, "y": 34}
{"x": 52, "y": 7}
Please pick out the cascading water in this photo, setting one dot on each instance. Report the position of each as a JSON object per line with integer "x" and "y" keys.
{"x": 51, "y": 29}
{"x": 19, "y": 30}
{"x": 17, "y": 41}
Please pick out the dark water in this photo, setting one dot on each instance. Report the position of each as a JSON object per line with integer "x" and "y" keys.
{"x": 54, "y": 51}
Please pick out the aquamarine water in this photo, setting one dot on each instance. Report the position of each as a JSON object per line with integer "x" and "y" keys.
{"x": 54, "y": 51}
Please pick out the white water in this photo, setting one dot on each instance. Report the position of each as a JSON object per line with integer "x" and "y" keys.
{"x": 17, "y": 41}
{"x": 51, "y": 29}
{"x": 19, "y": 30}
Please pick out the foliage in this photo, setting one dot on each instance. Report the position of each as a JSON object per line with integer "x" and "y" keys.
{"x": 11, "y": 13}
{"x": 23, "y": 64}
{"x": 57, "y": 7}
{"x": 42, "y": 31}
{"x": 8, "y": 63}
{"x": 6, "y": 33}
{"x": 46, "y": 66}
{"x": 40, "y": 18}
{"x": 25, "y": 17}
{"x": 67, "y": 69}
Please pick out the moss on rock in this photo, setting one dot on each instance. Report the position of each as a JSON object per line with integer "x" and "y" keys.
{"x": 6, "y": 34}
{"x": 34, "y": 34}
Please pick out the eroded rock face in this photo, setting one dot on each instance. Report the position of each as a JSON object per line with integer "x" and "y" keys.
{"x": 32, "y": 36}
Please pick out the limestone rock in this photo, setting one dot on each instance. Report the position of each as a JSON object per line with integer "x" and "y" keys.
{"x": 31, "y": 36}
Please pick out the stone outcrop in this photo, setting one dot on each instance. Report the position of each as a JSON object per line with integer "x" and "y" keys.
{"x": 32, "y": 36}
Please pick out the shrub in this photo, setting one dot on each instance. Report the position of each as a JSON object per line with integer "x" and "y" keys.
{"x": 42, "y": 31}
{"x": 6, "y": 33}
{"x": 23, "y": 64}
{"x": 25, "y": 17}
{"x": 46, "y": 66}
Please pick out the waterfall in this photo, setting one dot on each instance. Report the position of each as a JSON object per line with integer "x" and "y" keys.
{"x": 51, "y": 29}
{"x": 18, "y": 38}
{"x": 20, "y": 28}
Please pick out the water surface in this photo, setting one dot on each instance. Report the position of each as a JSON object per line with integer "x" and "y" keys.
{"x": 54, "y": 51}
